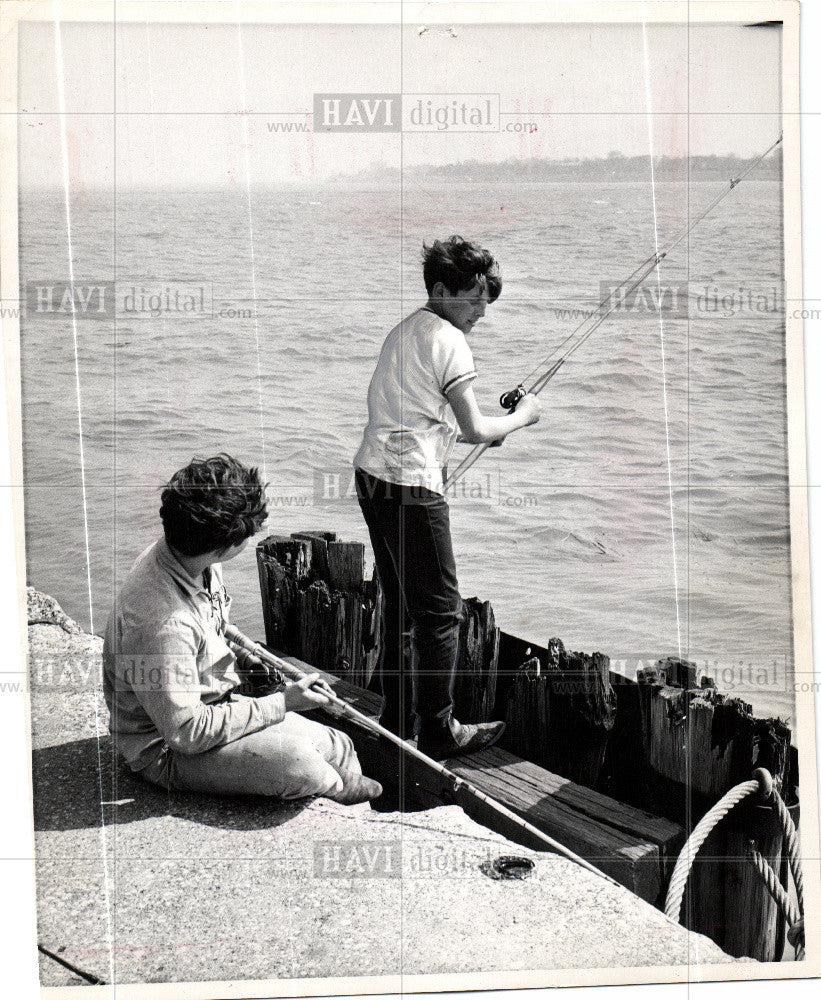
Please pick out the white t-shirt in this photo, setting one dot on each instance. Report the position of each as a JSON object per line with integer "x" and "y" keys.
{"x": 411, "y": 427}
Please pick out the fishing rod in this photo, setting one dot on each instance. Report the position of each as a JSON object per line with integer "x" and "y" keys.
{"x": 588, "y": 326}
{"x": 457, "y": 784}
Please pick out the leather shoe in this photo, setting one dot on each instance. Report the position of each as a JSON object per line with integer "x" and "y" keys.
{"x": 461, "y": 739}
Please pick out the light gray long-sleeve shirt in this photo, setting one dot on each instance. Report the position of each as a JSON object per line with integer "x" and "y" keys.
{"x": 168, "y": 673}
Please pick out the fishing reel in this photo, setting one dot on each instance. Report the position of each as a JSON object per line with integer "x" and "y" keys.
{"x": 508, "y": 400}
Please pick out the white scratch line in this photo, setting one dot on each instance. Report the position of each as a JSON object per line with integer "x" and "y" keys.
{"x": 246, "y": 145}
{"x": 289, "y": 895}
{"x": 661, "y": 325}
{"x": 58, "y": 47}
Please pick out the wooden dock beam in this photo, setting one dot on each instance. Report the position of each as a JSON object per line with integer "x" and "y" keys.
{"x": 629, "y": 844}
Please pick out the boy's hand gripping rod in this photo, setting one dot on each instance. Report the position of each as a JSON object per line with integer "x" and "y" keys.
{"x": 234, "y": 636}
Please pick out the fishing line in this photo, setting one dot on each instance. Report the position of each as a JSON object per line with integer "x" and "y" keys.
{"x": 614, "y": 298}
{"x": 615, "y": 291}
{"x": 610, "y": 302}
{"x": 661, "y": 328}
{"x": 61, "y": 103}
{"x": 246, "y": 144}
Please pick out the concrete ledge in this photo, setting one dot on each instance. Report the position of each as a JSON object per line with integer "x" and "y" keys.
{"x": 136, "y": 885}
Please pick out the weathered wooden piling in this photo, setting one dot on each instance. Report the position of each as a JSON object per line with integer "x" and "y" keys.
{"x": 475, "y": 687}
{"x": 704, "y": 741}
{"x": 765, "y": 936}
{"x": 559, "y": 708}
{"x": 697, "y": 744}
{"x": 625, "y": 774}
{"x": 317, "y": 604}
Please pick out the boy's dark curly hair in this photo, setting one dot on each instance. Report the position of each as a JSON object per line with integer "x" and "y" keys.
{"x": 459, "y": 265}
{"x": 211, "y": 504}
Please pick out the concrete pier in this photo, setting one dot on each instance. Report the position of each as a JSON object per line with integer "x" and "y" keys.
{"x": 136, "y": 885}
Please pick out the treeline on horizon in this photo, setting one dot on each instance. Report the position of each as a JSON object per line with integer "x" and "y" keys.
{"x": 614, "y": 167}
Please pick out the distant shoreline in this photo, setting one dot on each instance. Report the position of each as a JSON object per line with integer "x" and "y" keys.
{"x": 614, "y": 169}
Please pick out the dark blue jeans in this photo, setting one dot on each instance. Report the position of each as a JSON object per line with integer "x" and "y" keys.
{"x": 410, "y": 534}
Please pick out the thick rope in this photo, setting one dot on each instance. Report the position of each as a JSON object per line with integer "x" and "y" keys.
{"x": 776, "y": 890}
{"x": 708, "y": 822}
{"x": 761, "y": 784}
{"x": 791, "y": 846}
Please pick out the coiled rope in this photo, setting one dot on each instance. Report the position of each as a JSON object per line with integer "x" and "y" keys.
{"x": 761, "y": 784}
{"x": 776, "y": 890}
{"x": 791, "y": 845}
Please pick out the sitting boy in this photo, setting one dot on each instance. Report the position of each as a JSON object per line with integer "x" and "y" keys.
{"x": 172, "y": 682}
{"x": 421, "y": 389}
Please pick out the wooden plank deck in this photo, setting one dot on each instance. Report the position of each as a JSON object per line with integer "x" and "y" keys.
{"x": 635, "y": 847}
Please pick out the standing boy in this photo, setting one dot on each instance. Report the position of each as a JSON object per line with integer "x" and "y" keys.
{"x": 172, "y": 683}
{"x": 421, "y": 389}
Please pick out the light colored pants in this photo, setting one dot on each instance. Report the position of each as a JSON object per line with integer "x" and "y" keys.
{"x": 292, "y": 759}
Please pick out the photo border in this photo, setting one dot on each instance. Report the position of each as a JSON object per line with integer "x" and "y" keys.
{"x": 718, "y": 11}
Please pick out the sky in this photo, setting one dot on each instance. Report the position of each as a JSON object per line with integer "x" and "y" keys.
{"x": 180, "y": 91}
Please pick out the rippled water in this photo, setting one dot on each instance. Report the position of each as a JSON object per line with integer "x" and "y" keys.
{"x": 576, "y": 538}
